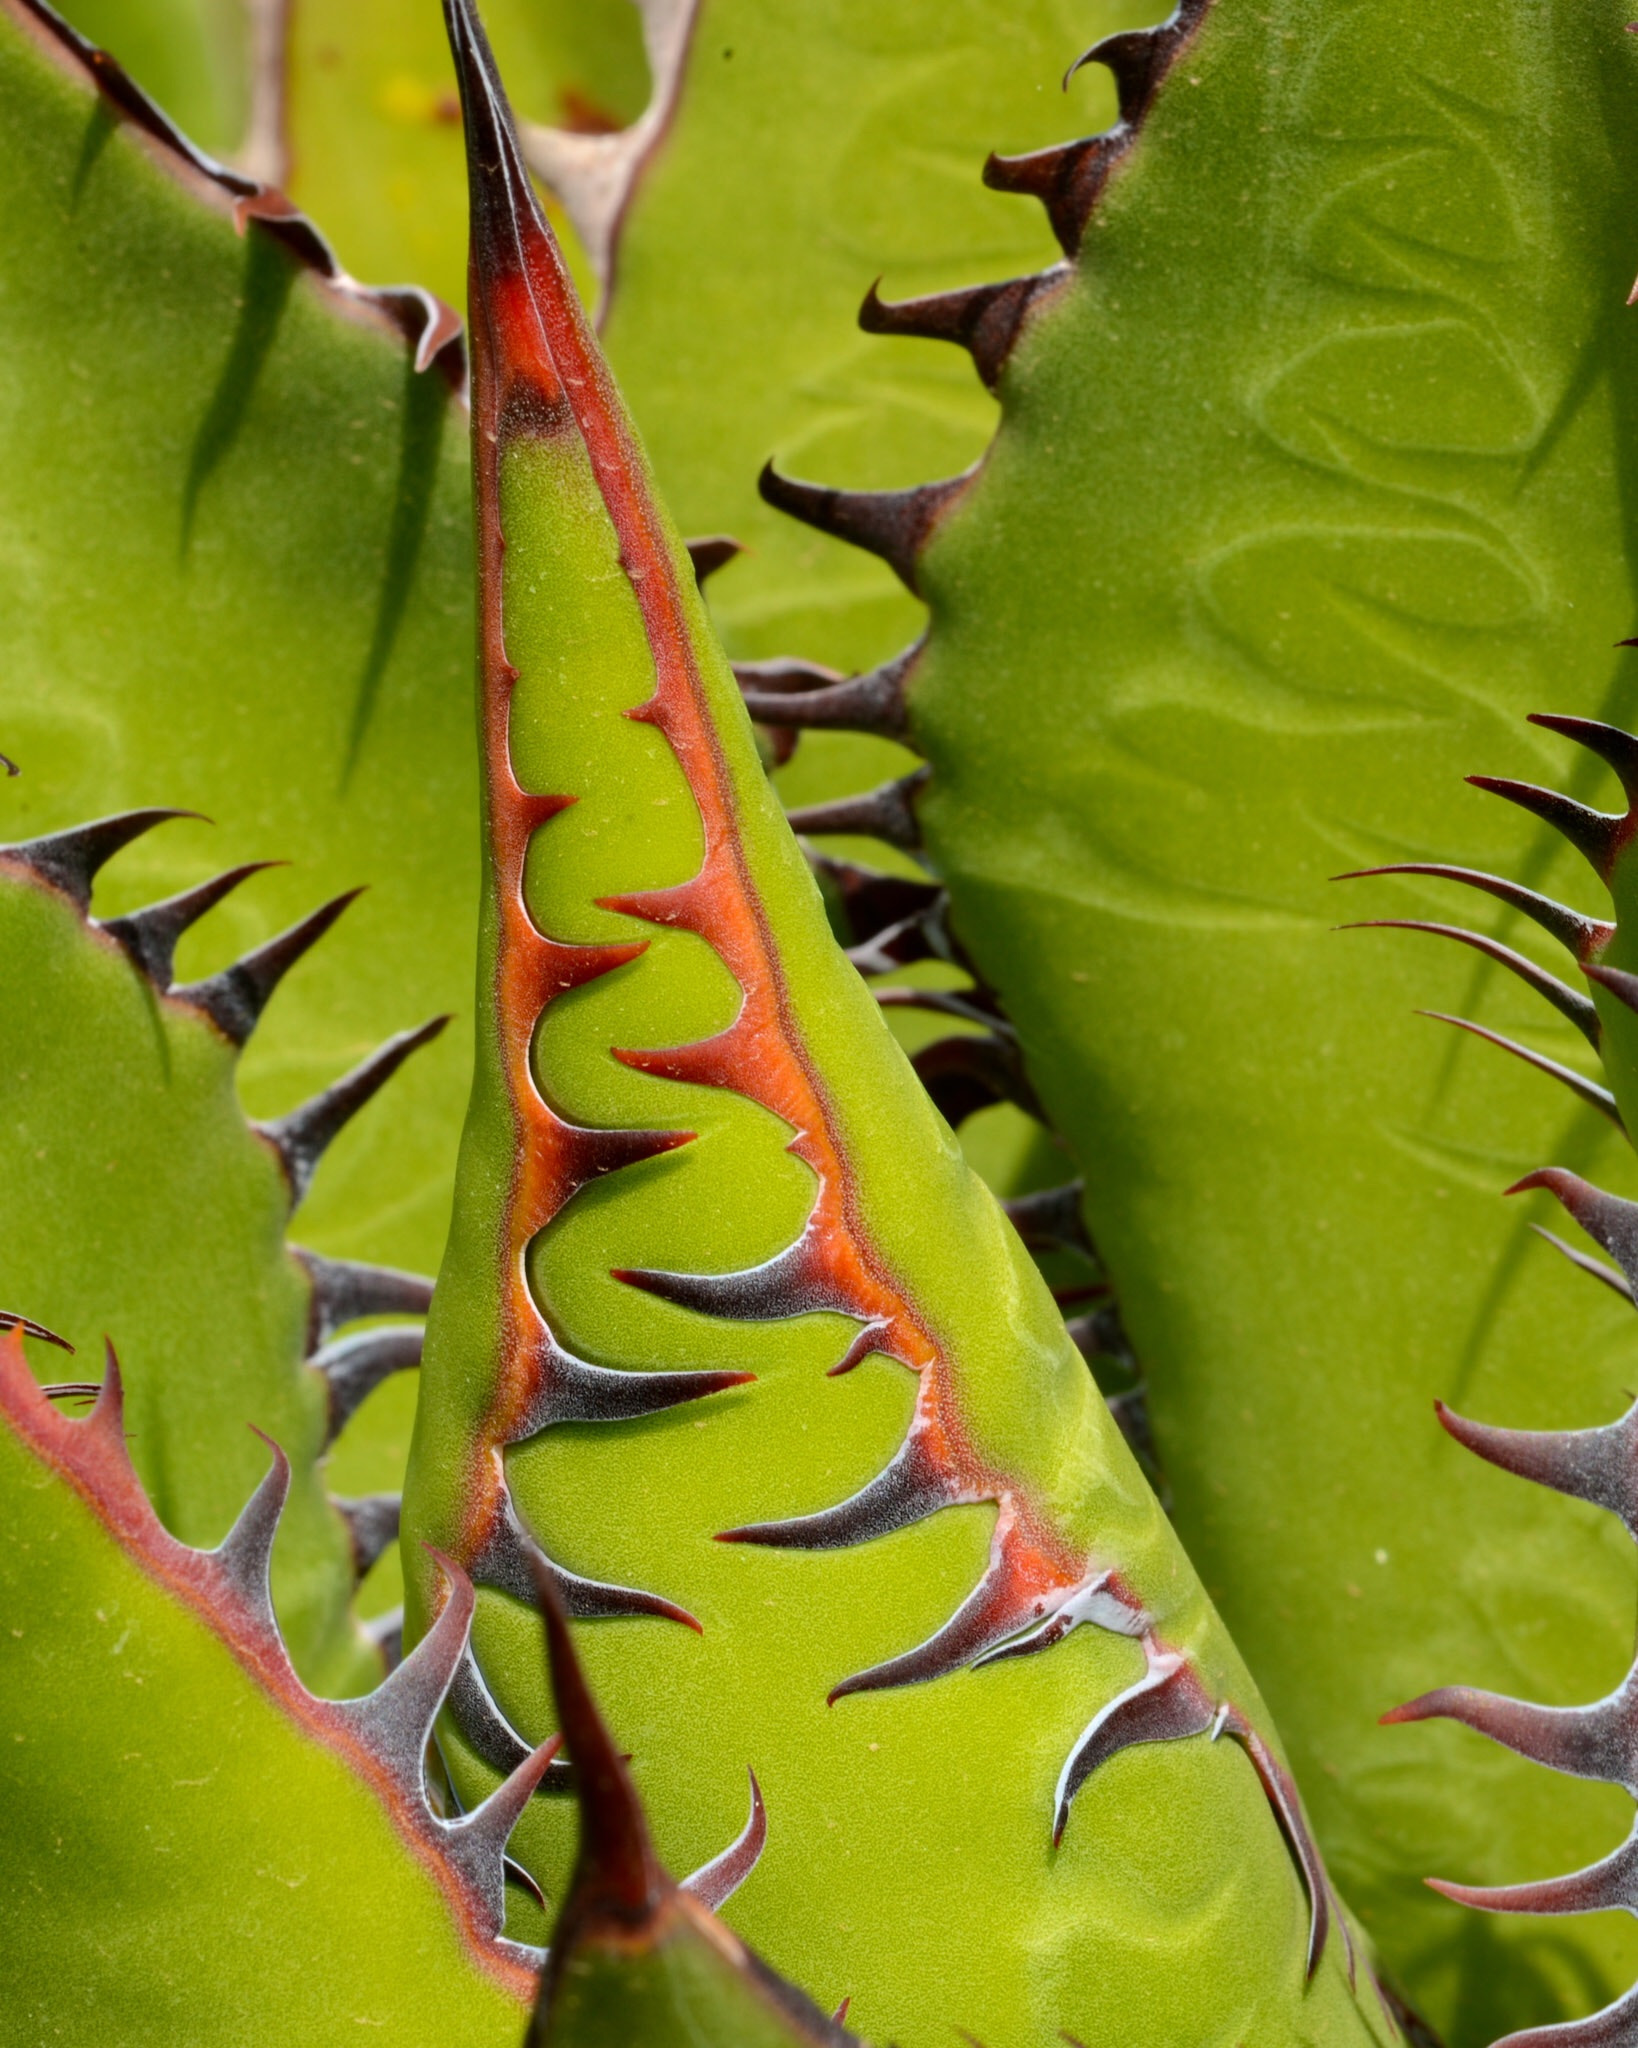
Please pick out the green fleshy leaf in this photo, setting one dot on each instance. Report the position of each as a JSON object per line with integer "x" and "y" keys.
{"x": 1309, "y": 481}
{"x": 926, "y": 1809}
{"x": 634, "y": 1955}
{"x": 139, "y": 1200}
{"x": 271, "y": 626}
{"x": 193, "y": 1851}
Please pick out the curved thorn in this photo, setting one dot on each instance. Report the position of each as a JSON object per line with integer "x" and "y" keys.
{"x": 107, "y": 1417}
{"x": 1598, "y": 1465}
{"x": 887, "y": 812}
{"x": 1051, "y": 1218}
{"x": 300, "y": 1138}
{"x": 1613, "y": 1280}
{"x": 1596, "y": 835}
{"x": 873, "y": 902}
{"x": 1612, "y": 2026}
{"x": 1589, "y": 1091}
{"x": 355, "y": 1366}
{"x": 1279, "y": 1789}
{"x": 476, "y": 1843}
{"x": 1604, "y": 1886}
{"x": 715, "y": 1883}
{"x": 911, "y": 1487}
{"x": 1166, "y": 1704}
{"x": 244, "y": 1557}
{"x": 1068, "y": 179}
{"x": 711, "y": 552}
{"x": 485, "y": 1729}
{"x": 347, "y": 1290}
{"x": 794, "y": 1282}
{"x": 234, "y": 998}
{"x": 1579, "y": 934}
{"x": 984, "y": 319}
{"x": 1569, "y": 1002}
{"x": 570, "y": 1390}
{"x": 967, "y": 1073}
{"x": 872, "y": 702}
{"x": 1595, "y": 1741}
{"x": 896, "y": 525}
{"x": 69, "y": 860}
{"x": 923, "y": 936}
{"x": 1098, "y": 1600}
{"x": 1622, "y": 985}
{"x": 1610, "y": 1221}
{"x": 1140, "y": 58}
{"x": 1614, "y": 747}
{"x": 149, "y": 936}
{"x": 515, "y": 1873}
{"x": 967, "y": 1004}
{"x": 9, "y": 1320}
{"x": 395, "y": 1721}
{"x": 511, "y": 1561}
{"x": 372, "y": 1524}
{"x": 992, "y": 1612}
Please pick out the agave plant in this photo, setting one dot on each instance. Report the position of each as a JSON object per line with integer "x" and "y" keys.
{"x": 944, "y": 1255}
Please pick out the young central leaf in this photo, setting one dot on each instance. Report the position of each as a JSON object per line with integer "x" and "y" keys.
{"x": 694, "y": 1155}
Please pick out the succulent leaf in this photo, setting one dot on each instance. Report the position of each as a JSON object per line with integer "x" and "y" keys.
{"x": 138, "y": 1198}
{"x": 692, "y": 1143}
{"x": 1274, "y": 528}
{"x": 634, "y": 1955}
{"x": 1596, "y": 1464}
{"x": 196, "y": 1841}
{"x": 273, "y": 624}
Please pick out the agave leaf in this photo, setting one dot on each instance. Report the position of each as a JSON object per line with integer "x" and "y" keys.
{"x": 1311, "y": 476}
{"x": 695, "y": 1153}
{"x": 634, "y": 1955}
{"x": 371, "y": 123}
{"x": 1594, "y": 1741}
{"x": 198, "y": 1848}
{"x": 825, "y": 146}
{"x": 138, "y": 1198}
{"x": 237, "y": 580}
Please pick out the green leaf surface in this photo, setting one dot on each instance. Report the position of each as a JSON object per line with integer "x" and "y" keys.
{"x": 1311, "y": 479}
{"x": 138, "y": 1201}
{"x": 235, "y": 577}
{"x": 190, "y": 1854}
{"x": 827, "y": 145}
{"x": 684, "y": 1093}
{"x": 636, "y": 1957}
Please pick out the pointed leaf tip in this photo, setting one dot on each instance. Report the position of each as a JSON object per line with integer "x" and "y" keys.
{"x": 617, "y": 1871}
